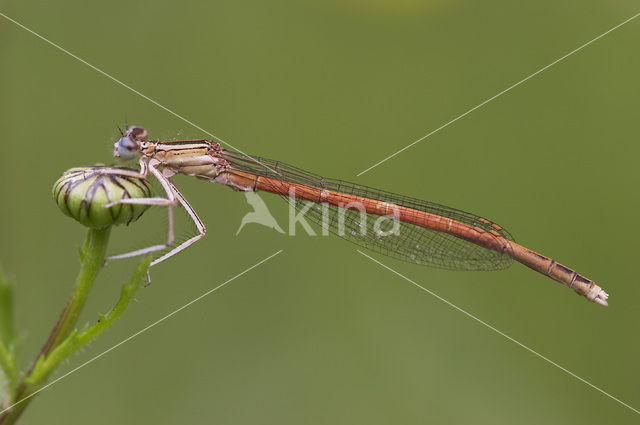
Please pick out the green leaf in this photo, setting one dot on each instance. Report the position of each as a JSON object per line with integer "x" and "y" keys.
{"x": 76, "y": 340}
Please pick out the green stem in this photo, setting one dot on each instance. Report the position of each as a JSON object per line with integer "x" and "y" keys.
{"x": 76, "y": 340}
{"x": 7, "y": 339}
{"x": 92, "y": 257}
{"x": 8, "y": 364}
{"x": 7, "y": 315}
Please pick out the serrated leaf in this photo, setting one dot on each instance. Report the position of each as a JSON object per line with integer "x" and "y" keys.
{"x": 76, "y": 340}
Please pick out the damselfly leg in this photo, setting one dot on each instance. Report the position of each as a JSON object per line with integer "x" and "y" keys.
{"x": 173, "y": 198}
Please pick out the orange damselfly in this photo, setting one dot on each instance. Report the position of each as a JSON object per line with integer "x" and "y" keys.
{"x": 416, "y": 231}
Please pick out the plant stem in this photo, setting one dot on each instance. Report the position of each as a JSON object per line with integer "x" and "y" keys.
{"x": 92, "y": 257}
{"x": 7, "y": 339}
{"x": 93, "y": 253}
{"x": 7, "y": 315}
{"x": 78, "y": 339}
{"x": 8, "y": 364}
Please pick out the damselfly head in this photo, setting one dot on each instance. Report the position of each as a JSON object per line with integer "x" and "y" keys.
{"x": 128, "y": 146}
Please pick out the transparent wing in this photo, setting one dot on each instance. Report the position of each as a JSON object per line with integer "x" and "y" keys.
{"x": 382, "y": 234}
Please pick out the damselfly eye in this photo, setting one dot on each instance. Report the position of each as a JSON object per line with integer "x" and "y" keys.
{"x": 125, "y": 148}
{"x": 137, "y": 133}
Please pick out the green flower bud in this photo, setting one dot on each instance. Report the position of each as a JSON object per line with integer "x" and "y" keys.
{"x": 82, "y": 193}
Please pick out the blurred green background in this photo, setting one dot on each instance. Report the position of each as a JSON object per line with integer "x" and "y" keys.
{"x": 320, "y": 334}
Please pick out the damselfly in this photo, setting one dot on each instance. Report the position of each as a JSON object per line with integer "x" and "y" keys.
{"x": 416, "y": 231}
